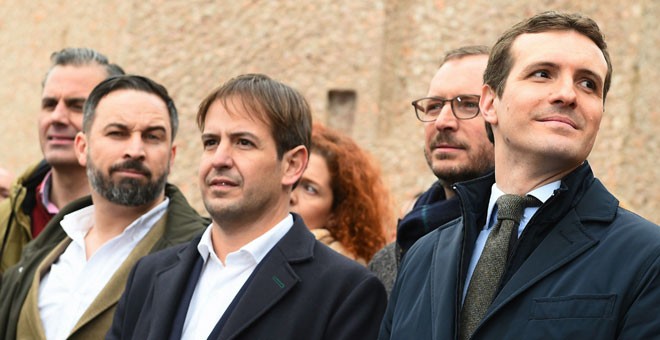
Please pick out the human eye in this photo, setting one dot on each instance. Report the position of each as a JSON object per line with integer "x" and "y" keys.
{"x": 48, "y": 104}
{"x": 541, "y": 74}
{"x": 244, "y": 143}
{"x": 309, "y": 188}
{"x": 114, "y": 133}
{"x": 76, "y": 105}
{"x": 589, "y": 84}
{"x": 209, "y": 143}
{"x": 468, "y": 102}
{"x": 154, "y": 137}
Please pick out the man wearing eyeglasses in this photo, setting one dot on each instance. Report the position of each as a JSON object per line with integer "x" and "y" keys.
{"x": 456, "y": 148}
{"x": 542, "y": 249}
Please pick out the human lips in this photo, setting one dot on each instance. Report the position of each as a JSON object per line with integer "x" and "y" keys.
{"x": 221, "y": 182}
{"x": 559, "y": 119}
{"x": 446, "y": 146}
{"x": 59, "y": 138}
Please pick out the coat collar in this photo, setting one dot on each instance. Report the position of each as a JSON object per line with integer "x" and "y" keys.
{"x": 580, "y": 199}
{"x": 274, "y": 279}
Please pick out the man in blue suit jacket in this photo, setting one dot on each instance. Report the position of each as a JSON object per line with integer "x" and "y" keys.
{"x": 579, "y": 266}
{"x": 256, "y": 272}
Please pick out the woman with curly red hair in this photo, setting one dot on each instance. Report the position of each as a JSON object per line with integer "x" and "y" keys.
{"x": 341, "y": 196}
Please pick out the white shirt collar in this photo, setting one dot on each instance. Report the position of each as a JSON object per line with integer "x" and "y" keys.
{"x": 542, "y": 193}
{"x": 256, "y": 249}
{"x": 78, "y": 223}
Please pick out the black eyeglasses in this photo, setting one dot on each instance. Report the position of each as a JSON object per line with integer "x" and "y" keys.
{"x": 465, "y": 106}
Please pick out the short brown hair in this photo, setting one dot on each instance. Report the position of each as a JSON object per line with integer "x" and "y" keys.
{"x": 276, "y": 104}
{"x": 501, "y": 61}
{"x": 465, "y": 51}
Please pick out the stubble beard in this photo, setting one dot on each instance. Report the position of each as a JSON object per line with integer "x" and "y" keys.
{"x": 477, "y": 165}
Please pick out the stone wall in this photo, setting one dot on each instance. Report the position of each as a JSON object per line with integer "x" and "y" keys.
{"x": 359, "y": 63}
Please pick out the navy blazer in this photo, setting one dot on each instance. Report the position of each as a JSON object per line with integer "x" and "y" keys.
{"x": 301, "y": 290}
{"x": 596, "y": 275}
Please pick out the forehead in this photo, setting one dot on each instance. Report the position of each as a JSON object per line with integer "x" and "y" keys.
{"x": 317, "y": 167}
{"x": 567, "y": 48}
{"x": 233, "y": 114}
{"x": 459, "y": 76}
{"x": 73, "y": 80}
{"x": 132, "y": 108}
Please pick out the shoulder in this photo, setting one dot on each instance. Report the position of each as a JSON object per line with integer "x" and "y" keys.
{"x": 385, "y": 265}
{"x": 385, "y": 260}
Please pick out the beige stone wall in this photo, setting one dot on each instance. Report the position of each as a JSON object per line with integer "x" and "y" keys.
{"x": 384, "y": 50}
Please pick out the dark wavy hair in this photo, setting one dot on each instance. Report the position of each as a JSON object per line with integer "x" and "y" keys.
{"x": 361, "y": 201}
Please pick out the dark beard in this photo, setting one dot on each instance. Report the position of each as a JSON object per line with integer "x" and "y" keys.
{"x": 128, "y": 191}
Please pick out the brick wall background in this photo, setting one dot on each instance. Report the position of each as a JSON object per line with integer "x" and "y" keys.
{"x": 359, "y": 63}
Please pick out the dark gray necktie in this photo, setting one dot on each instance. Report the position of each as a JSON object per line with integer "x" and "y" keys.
{"x": 490, "y": 267}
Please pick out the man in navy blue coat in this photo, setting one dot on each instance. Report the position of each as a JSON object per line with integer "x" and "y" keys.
{"x": 579, "y": 266}
{"x": 256, "y": 272}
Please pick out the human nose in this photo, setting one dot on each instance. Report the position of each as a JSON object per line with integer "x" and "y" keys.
{"x": 564, "y": 93}
{"x": 222, "y": 157}
{"x": 446, "y": 120}
{"x": 135, "y": 147}
{"x": 61, "y": 113}
{"x": 294, "y": 197}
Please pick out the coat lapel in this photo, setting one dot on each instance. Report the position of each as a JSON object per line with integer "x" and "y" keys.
{"x": 564, "y": 243}
{"x": 29, "y": 321}
{"x": 274, "y": 279}
{"x": 110, "y": 294}
{"x": 169, "y": 285}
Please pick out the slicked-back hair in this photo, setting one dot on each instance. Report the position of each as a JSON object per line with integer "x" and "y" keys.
{"x": 278, "y": 105}
{"x": 128, "y": 82}
{"x": 501, "y": 61}
{"x": 81, "y": 56}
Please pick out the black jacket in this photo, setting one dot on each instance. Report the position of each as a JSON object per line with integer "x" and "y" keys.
{"x": 301, "y": 290}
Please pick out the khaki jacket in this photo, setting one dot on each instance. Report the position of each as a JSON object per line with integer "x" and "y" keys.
{"x": 19, "y": 315}
{"x": 15, "y": 221}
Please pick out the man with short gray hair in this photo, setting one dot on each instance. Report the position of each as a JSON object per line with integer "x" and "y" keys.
{"x": 38, "y": 194}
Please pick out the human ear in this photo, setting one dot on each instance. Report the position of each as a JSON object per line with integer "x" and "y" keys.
{"x": 80, "y": 147}
{"x": 487, "y": 104}
{"x": 294, "y": 163}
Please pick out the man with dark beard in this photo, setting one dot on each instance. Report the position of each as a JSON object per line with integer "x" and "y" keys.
{"x": 456, "y": 148}
{"x": 70, "y": 278}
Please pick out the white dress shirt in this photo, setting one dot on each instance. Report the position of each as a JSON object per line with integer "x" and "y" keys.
{"x": 542, "y": 194}
{"x": 74, "y": 281}
{"x": 219, "y": 283}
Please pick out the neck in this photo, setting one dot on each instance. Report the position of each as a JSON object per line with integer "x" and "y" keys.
{"x": 231, "y": 235}
{"x": 67, "y": 185}
{"x": 521, "y": 174}
{"x": 111, "y": 219}
{"x": 449, "y": 192}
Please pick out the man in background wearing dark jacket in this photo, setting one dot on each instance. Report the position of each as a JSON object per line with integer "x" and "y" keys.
{"x": 456, "y": 147}
{"x": 39, "y": 193}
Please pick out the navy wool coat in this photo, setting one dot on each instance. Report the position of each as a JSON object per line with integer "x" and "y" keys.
{"x": 301, "y": 290}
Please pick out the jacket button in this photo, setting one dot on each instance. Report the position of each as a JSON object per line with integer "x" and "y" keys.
{"x": 20, "y": 269}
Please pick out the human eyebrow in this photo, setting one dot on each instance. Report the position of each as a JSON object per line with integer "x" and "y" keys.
{"x": 74, "y": 102}
{"x": 48, "y": 102}
{"x": 595, "y": 77}
{"x": 158, "y": 128}
{"x": 115, "y": 126}
{"x": 543, "y": 65}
